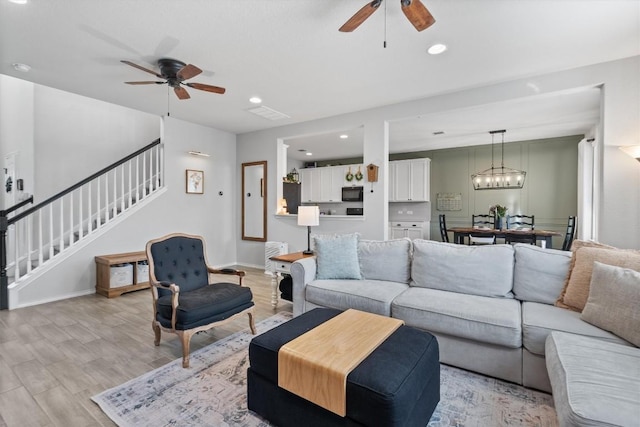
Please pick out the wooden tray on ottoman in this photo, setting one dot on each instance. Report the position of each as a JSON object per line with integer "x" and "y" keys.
{"x": 398, "y": 384}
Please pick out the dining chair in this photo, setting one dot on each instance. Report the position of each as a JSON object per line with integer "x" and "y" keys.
{"x": 520, "y": 222}
{"x": 572, "y": 225}
{"x": 443, "y": 228}
{"x": 482, "y": 221}
{"x": 185, "y": 301}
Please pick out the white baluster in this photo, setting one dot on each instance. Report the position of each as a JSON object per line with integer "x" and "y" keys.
{"x": 90, "y": 213}
{"x": 71, "y": 240}
{"x": 115, "y": 194}
{"x": 130, "y": 189}
{"x": 51, "y": 244}
{"x": 157, "y": 148}
{"x": 29, "y": 239}
{"x": 144, "y": 175}
{"x": 151, "y": 171}
{"x": 80, "y": 217}
{"x": 16, "y": 248}
{"x": 161, "y": 168}
{"x": 106, "y": 197}
{"x": 121, "y": 188}
{"x": 61, "y": 225}
{"x": 137, "y": 178}
{"x": 98, "y": 210}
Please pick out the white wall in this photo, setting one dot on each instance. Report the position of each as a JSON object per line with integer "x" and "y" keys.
{"x": 620, "y": 126}
{"x": 76, "y": 136}
{"x": 16, "y": 130}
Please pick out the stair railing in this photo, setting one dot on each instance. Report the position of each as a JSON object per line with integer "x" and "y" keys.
{"x": 32, "y": 238}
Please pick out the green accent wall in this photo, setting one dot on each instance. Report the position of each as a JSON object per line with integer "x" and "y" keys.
{"x": 550, "y": 191}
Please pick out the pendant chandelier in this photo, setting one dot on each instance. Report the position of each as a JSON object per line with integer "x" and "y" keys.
{"x": 496, "y": 178}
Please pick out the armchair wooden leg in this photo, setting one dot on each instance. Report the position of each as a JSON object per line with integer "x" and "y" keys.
{"x": 157, "y": 331}
{"x": 185, "y": 337}
{"x": 252, "y": 323}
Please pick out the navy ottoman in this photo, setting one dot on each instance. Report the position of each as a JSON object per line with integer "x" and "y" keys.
{"x": 397, "y": 385}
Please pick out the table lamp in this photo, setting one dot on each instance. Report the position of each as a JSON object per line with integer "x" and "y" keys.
{"x": 308, "y": 216}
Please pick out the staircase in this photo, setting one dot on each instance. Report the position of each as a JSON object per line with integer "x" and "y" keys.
{"x": 32, "y": 238}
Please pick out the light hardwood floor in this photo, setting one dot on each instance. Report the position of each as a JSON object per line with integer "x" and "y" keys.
{"x": 55, "y": 356}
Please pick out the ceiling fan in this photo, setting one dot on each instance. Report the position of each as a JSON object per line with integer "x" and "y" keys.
{"x": 414, "y": 10}
{"x": 174, "y": 73}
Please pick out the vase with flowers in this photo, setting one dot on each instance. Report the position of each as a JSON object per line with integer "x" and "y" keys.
{"x": 499, "y": 212}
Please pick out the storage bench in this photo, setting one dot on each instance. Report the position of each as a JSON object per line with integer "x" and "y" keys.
{"x": 397, "y": 385}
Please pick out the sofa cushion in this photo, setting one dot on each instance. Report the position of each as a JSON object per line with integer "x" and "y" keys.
{"x": 538, "y": 320}
{"x": 577, "y": 290}
{"x": 539, "y": 274}
{"x": 373, "y": 296}
{"x": 483, "y": 319}
{"x": 594, "y": 382}
{"x": 475, "y": 270}
{"x": 337, "y": 256}
{"x": 388, "y": 260}
{"x": 614, "y": 298}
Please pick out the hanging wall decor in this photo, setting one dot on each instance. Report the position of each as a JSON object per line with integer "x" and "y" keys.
{"x": 195, "y": 181}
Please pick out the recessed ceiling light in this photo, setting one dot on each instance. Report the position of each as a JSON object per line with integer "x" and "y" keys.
{"x": 309, "y": 153}
{"x": 255, "y": 100}
{"x": 437, "y": 49}
{"x": 344, "y": 136}
{"x": 21, "y": 67}
{"x": 18, "y": 1}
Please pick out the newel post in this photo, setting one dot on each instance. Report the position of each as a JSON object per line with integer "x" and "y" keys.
{"x": 4, "y": 280}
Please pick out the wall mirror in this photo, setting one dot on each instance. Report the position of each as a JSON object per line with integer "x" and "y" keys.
{"x": 254, "y": 201}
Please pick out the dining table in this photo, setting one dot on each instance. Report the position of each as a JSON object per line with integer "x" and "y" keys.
{"x": 545, "y": 236}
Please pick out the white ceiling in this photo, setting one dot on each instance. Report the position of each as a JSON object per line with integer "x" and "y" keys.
{"x": 290, "y": 53}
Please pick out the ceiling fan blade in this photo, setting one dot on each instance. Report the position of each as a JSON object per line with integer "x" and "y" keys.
{"x": 207, "y": 88}
{"x": 187, "y": 72}
{"x": 145, "y": 83}
{"x": 181, "y": 92}
{"x": 417, "y": 14}
{"x": 142, "y": 68}
{"x": 360, "y": 16}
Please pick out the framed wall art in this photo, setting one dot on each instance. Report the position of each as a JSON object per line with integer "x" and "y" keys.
{"x": 195, "y": 181}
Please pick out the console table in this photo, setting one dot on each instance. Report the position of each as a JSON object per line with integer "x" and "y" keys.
{"x": 282, "y": 264}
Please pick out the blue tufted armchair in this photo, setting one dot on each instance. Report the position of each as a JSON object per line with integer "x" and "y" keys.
{"x": 184, "y": 301}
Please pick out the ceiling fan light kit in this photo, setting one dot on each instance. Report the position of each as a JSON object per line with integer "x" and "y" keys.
{"x": 495, "y": 178}
{"x": 174, "y": 73}
{"x": 414, "y": 10}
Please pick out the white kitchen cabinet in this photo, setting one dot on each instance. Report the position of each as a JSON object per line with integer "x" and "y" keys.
{"x": 412, "y": 230}
{"x": 331, "y": 184}
{"x": 322, "y": 185}
{"x": 306, "y": 183}
{"x": 409, "y": 180}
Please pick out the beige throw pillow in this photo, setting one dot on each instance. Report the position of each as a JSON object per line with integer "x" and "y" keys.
{"x": 577, "y": 290}
{"x": 614, "y": 298}
{"x": 577, "y": 244}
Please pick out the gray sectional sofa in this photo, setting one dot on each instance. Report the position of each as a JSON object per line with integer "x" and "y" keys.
{"x": 491, "y": 307}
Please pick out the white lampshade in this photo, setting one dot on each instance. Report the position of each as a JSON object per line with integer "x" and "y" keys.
{"x": 309, "y": 215}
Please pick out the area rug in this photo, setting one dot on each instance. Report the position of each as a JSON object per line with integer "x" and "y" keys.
{"x": 212, "y": 392}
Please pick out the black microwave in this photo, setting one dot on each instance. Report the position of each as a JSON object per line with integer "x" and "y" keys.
{"x": 352, "y": 194}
